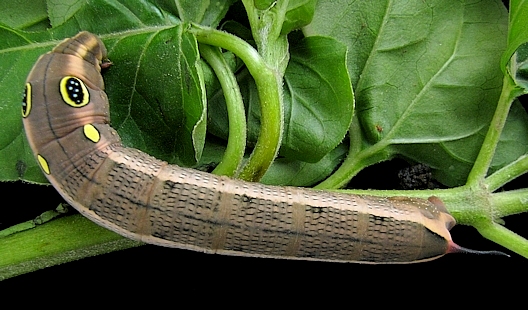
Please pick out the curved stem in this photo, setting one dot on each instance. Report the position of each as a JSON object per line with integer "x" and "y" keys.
{"x": 507, "y": 173}
{"x": 236, "y": 142}
{"x": 354, "y": 163}
{"x": 269, "y": 92}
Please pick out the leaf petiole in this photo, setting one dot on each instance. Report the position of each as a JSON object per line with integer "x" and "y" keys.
{"x": 509, "y": 202}
{"x": 269, "y": 138}
{"x": 487, "y": 150}
{"x": 507, "y": 173}
{"x": 236, "y": 143}
{"x": 503, "y": 236}
{"x": 354, "y": 163}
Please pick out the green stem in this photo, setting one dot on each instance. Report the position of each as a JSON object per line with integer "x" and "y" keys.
{"x": 39, "y": 220}
{"x": 465, "y": 206}
{"x": 236, "y": 142}
{"x": 505, "y": 237}
{"x": 269, "y": 92}
{"x": 354, "y": 163}
{"x": 510, "y": 202}
{"x": 266, "y": 27}
{"x": 266, "y": 24}
{"x": 507, "y": 173}
{"x": 55, "y": 242}
{"x": 355, "y": 136}
{"x": 485, "y": 156}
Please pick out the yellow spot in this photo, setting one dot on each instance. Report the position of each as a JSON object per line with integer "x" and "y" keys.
{"x": 92, "y": 133}
{"x": 43, "y": 164}
{"x": 26, "y": 103}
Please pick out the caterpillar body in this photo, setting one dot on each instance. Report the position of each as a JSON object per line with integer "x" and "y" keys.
{"x": 66, "y": 118}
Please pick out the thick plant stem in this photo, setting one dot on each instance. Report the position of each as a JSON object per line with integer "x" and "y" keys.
{"x": 65, "y": 239}
{"x": 236, "y": 143}
{"x": 509, "y": 202}
{"x": 505, "y": 237}
{"x": 266, "y": 26}
{"x": 485, "y": 156}
{"x": 269, "y": 139}
{"x": 507, "y": 173}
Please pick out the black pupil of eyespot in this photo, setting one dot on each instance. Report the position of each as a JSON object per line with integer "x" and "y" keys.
{"x": 75, "y": 91}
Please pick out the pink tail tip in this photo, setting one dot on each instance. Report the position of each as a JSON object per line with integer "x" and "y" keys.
{"x": 455, "y": 248}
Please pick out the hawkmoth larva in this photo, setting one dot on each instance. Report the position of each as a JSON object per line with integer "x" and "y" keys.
{"x": 66, "y": 118}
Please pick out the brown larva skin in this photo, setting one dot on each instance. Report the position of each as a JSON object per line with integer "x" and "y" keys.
{"x": 146, "y": 199}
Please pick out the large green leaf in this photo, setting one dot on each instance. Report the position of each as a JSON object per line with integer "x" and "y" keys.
{"x": 151, "y": 60}
{"x": 119, "y": 16}
{"x": 291, "y": 172}
{"x": 426, "y": 74}
{"x": 512, "y": 145}
{"x": 515, "y": 60}
{"x": 204, "y": 12}
{"x": 30, "y": 15}
{"x": 318, "y": 99}
{"x": 157, "y": 95}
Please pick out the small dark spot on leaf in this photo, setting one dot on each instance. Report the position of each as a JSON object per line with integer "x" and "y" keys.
{"x": 21, "y": 168}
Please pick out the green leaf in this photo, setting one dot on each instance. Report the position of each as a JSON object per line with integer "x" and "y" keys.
{"x": 318, "y": 99}
{"x": 125, "y": 16}
{"x": 298, "y": 15}
{"x": 16, "y": 158}
{"x": 514, "y": 61}
{"x": 147, "y": 62}
{"x": 291, "y": 172}
{"x": 166, "y": 85}
{"x": 215, "y": 12}
{"x": 427, "y": 75}
{"x": 205, "y": 12}
{"x": 263, "y": 4}
{"x": 29, "y": 15}
{"x": 190, "y": 11}
{"x": 513, "y": 143}
{"x": 61, "y": 11}
{"x": 518, "y": 32}
{"x": 514, "y": 140}
{"x": 519, "y": 67}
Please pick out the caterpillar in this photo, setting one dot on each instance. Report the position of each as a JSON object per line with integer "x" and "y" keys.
{"x": 66, "y": 118}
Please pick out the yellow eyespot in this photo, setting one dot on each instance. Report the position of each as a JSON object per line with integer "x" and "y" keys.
{"x": 43, "y": 164}
{"x": 74, "y": 92}
{"x": 26, "y": 102}
{"x": 92, "y": 133}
